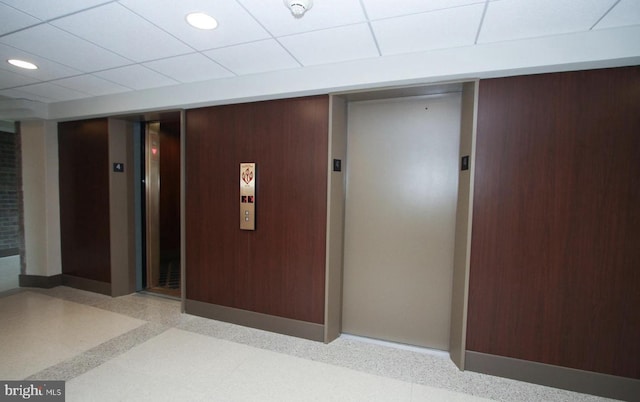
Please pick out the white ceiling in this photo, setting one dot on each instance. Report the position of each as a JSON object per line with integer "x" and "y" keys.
{"x": 90, "y": 48}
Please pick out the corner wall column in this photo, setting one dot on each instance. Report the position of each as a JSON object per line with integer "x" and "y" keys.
{"x": 121, "y": 208}
{"x": 41, "y": 204}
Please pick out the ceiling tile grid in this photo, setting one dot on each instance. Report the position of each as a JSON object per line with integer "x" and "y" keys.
{"x": 49, "y": 70}
{"x": 377, "y": 10}
{"x": 64, "y": 48}
{"x": 91, "y": 84}
{"x": 53, "y": 91}
{"x": 114, "y": 27}
{"x": 625, "y": 13}
{"x": 100, "y": 47}
{"x": 333, "y": 45}
{"x": 254, "y": 57}
{"x": 518, "y": 19}
{"x": 446, "y": 28}
{"x": 191, "y": 67}
{"x": 324, "y": 14}
{"x": 9, "y": 79}
{"x": 136, "y": 77}
{"x": 236, "y": 26}
{"x": 46, "y": 9}
{"x": 13, "y": 19}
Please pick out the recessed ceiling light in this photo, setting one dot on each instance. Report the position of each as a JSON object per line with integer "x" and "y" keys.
{"x": 202, "y": 21}
{"x": 22, "y": 64}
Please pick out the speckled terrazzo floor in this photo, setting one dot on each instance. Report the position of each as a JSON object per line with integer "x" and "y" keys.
{"x": 140, "y": 347}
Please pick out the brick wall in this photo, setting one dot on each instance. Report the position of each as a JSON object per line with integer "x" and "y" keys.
{"x": 8, "y": 195}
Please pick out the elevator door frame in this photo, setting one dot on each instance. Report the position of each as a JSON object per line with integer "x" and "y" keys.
{"x": 336, "y": 197}
{"x": 161, "y": 269}
{"x": 152, "y": 204}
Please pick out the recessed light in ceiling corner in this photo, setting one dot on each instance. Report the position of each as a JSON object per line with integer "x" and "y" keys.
{"x": 22, "y": 64}
{"x": 202, "y": 21}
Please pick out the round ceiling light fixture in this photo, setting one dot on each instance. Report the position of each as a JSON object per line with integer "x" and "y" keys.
{"x": 22, "y": 64}
{"x": 202, "y": 21}
{"x": 298, "y": 7}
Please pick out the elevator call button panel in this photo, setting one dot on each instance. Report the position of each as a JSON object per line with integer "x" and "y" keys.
{"x": 248, "y": 196}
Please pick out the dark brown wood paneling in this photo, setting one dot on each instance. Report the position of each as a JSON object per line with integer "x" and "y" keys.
{"x": 279, "y": 268}
{"x": 83, "y": 151}
{"x": 170, "y": 186}
{"x": 555, "y": 257}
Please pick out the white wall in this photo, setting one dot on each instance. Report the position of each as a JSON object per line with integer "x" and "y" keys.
{"x": 41, "y": 197}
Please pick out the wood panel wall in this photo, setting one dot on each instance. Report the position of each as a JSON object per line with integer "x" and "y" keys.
{"x": 555, "y": 260}
{"x": 83, "y": 152}
{"x": 278, "y": 269}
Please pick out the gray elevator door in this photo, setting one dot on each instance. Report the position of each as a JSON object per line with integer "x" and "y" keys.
{"x": 402, "y": 179}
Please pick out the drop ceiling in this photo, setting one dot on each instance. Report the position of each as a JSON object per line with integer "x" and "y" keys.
{"x": 95, "y": 48}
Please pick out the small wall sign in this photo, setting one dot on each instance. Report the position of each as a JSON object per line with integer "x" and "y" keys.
{"x": 464, "y": 164}
{"x": 248, "y": 196}
{"x": 118, "y": 167}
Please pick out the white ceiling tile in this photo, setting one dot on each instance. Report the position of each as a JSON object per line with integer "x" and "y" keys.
{"x": 235, "y": 25}
{"x": 136, "y": 77}
{"x": 189, "y": 68}
{"x": 64, "y": 48}
{"x": 55, "y": 92}
{"x": 625, "y": 13}
{"x": 255, "y": 57}
{"x": 377, "y": 9}
{"x": 90, "y": 84}
{"x": 452, "y": 27}
{"x": 331, "y": 45}
{"x": 46, "y": 9}
{"x": 278, "y": 20}
{"x": 518, "y": 19}
{"x": 47, "y": 69}
{"x": 10, "y": 79}
{"x": 12, "y": 19}
{"x": 114, "y": 27}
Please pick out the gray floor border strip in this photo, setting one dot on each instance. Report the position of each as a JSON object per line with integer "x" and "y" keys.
{"x": 286, "y": 326}
{"x": 588, "y": 382}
